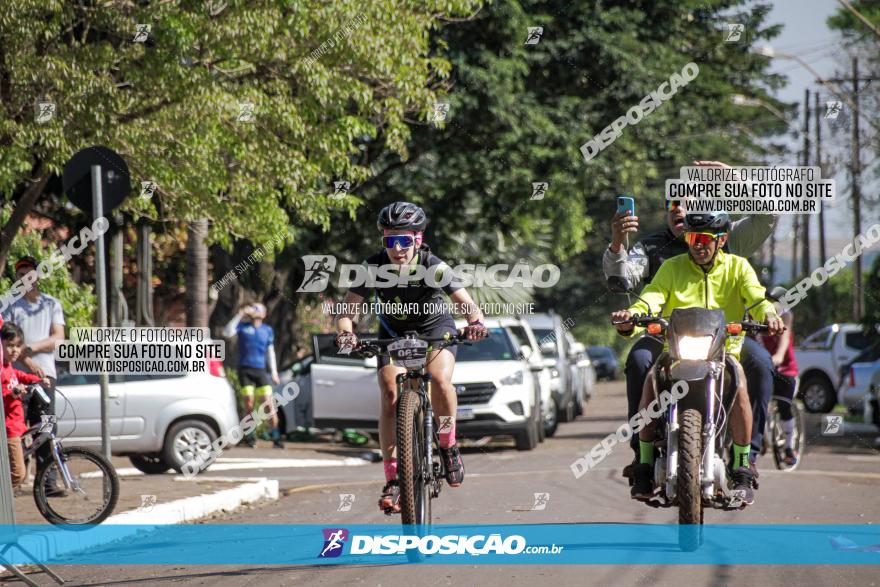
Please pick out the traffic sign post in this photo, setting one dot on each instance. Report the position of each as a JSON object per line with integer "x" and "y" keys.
{"x": 97, "y": 180}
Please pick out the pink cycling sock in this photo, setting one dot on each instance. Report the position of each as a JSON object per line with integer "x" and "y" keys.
{"x": 446, "y": 431}
{"x": 390, "y": 470}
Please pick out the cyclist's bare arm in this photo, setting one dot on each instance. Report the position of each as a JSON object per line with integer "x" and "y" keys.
{"x": 345, "y": 321}
{"x": 464, "y": 299}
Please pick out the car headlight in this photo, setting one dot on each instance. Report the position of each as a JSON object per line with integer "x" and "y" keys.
{"x": 694, "y": 348}
{"x": 513, "y": 379}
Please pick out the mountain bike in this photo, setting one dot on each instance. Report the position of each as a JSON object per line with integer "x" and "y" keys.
{"x": 77, "y": 486}
{"x": 420, "y": 471}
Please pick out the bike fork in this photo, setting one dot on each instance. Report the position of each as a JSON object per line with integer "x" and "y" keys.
{"x": 69, "y": 482}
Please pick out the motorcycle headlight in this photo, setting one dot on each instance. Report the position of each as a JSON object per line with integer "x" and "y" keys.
{"x": 694, "y": 348}
{"x": 513, "y": 379}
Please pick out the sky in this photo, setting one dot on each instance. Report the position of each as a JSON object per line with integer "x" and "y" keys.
{"x": 806, "y": 34}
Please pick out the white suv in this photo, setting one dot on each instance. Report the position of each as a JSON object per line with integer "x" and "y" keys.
{"x": 497, "y": 393}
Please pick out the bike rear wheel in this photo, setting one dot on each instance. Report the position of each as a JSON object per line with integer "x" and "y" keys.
{"x": 415, "y": 491}
{"x": 90, "y": 499}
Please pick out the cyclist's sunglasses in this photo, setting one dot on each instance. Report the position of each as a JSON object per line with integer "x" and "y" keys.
{"x": 704, "y": 239}
{"x": 672, "y": 204}
{"x": 404, "y": 240}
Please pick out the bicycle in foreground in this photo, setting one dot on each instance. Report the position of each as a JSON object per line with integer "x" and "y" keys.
{"x": 420, "y": 471}
{"x": 78, "y": 486}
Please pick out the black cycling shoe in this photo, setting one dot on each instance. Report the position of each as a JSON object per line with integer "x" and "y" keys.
{"x": 454, "y": 465}
{"x": 643, "y": 482}
{"x": 743, "y": 479}
{"x": 389, "y": 501}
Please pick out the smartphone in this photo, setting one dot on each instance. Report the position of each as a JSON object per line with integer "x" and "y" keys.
{"x": 625, "y": 203}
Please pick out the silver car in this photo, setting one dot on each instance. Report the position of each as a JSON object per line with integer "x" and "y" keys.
{"x": 158, "y": 421}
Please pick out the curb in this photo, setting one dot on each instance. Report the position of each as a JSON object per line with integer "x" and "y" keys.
{"x": 51, "y": 545}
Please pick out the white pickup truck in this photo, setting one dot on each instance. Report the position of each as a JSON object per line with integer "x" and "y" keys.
{"x": 821, "y": 357}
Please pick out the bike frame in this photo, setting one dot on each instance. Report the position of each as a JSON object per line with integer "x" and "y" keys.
{"x": 41, "y": 434}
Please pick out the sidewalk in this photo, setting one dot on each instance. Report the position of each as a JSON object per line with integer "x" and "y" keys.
{"x": 241, "y": 476}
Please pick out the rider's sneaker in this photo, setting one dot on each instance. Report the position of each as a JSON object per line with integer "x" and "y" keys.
{"x": 743, "y": 478}
{"x": 389, "y": 501}
{"x": 454, "y": 465}
{"x": 643, "y": 482}
{"x": 791, "y": 457}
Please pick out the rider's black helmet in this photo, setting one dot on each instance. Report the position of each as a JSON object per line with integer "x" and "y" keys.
{"x": 717, "y": 222}
{"x": 402, "y": 216}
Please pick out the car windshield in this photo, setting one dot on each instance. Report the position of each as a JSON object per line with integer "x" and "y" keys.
{"x": 546, "y": 340}
{"x": 498, "y": 347}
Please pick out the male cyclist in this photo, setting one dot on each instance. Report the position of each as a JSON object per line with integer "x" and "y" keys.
{"x": 255, "y": 350}
{"x": 640, "y": 264}
{"x": 402, "y": 225}
{"x": 705, "y": 277}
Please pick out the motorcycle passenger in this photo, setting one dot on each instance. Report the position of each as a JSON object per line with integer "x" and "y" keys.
{"x": 704, "y": 277}
{"x": 401, "y": 224}
{"x": 640, "y": 264}
{"x": 781, "y": 348}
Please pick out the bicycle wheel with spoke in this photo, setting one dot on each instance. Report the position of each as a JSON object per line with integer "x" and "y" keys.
{"x": 92, "y": 495}
{"x": 414, "y": 499}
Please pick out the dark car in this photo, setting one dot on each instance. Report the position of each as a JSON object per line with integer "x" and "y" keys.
{"x": 604, "y": 361}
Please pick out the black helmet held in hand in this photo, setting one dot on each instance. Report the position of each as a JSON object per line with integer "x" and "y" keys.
{"x": 402, "y": 216}
{"x": 716, "y": 222}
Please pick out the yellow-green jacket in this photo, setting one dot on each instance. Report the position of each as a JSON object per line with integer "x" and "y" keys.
{"x": 730, "y": 285}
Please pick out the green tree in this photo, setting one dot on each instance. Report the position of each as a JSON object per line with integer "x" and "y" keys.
{"x": 242, "y": 115}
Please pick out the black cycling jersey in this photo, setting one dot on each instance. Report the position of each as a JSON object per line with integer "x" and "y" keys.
{"x": 418, "y": 295}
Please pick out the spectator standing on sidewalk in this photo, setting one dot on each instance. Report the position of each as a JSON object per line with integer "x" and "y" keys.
{"x": 255, "y": 351}
{"x": 41, "y": 320}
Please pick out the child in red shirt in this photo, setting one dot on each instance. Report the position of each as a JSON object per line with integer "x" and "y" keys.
{"x": 12, "y": 381}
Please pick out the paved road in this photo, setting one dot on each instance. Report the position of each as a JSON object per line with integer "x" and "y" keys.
{"x": 838, "y": 484}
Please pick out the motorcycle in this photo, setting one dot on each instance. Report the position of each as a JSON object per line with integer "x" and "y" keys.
{"x": 689, "y": 470}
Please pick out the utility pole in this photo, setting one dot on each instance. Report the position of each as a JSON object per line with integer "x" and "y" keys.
{"x": 805, "y": 255}
{"x": 818, "y": 117}
{"x": 794, "y": 248}
{"x": 823, "y": 297}
{"x": 856, "y": 171}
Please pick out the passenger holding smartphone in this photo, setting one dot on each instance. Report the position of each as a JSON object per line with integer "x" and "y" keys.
{"x": 638, "y": 265}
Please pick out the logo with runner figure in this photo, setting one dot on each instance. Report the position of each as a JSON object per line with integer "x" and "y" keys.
{"x": 346, "y": 500}
{"x": 541, "y": 501}
{"x": 318, "y": 271}
{"x": 832, "y": 109}
{"x": 539, "y": 189}
{"x": 334, "y": 541}
{"x": 833, "y": 425}
{"x": 535, "y": 33}
{"x": 734, "y": 32}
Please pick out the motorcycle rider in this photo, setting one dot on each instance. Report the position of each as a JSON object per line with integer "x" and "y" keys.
{"x": 706, "y": 277}
{"x": 639, "y": 265}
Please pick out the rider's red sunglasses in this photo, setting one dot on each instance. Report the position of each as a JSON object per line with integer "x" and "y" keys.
{"x": 704, "y": 239}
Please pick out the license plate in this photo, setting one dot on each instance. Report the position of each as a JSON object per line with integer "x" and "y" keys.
{"x": 465, "y": 414}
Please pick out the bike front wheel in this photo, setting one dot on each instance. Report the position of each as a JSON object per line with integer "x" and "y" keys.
{"x": 91, "y": 495}
{"x": 415, "y": 497}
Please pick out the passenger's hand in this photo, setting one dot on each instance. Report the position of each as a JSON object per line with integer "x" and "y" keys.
{"x": 45, "y": 381}
{"x": 18, "y": 391}
{"x": 775, "y": 324}
{"x": 777, "y": 360}
{"x": 347, "y": 340}
{"x": 622, "y": 315}
{"x": 621, "y": 225}
{"x": 475, "y": 331}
